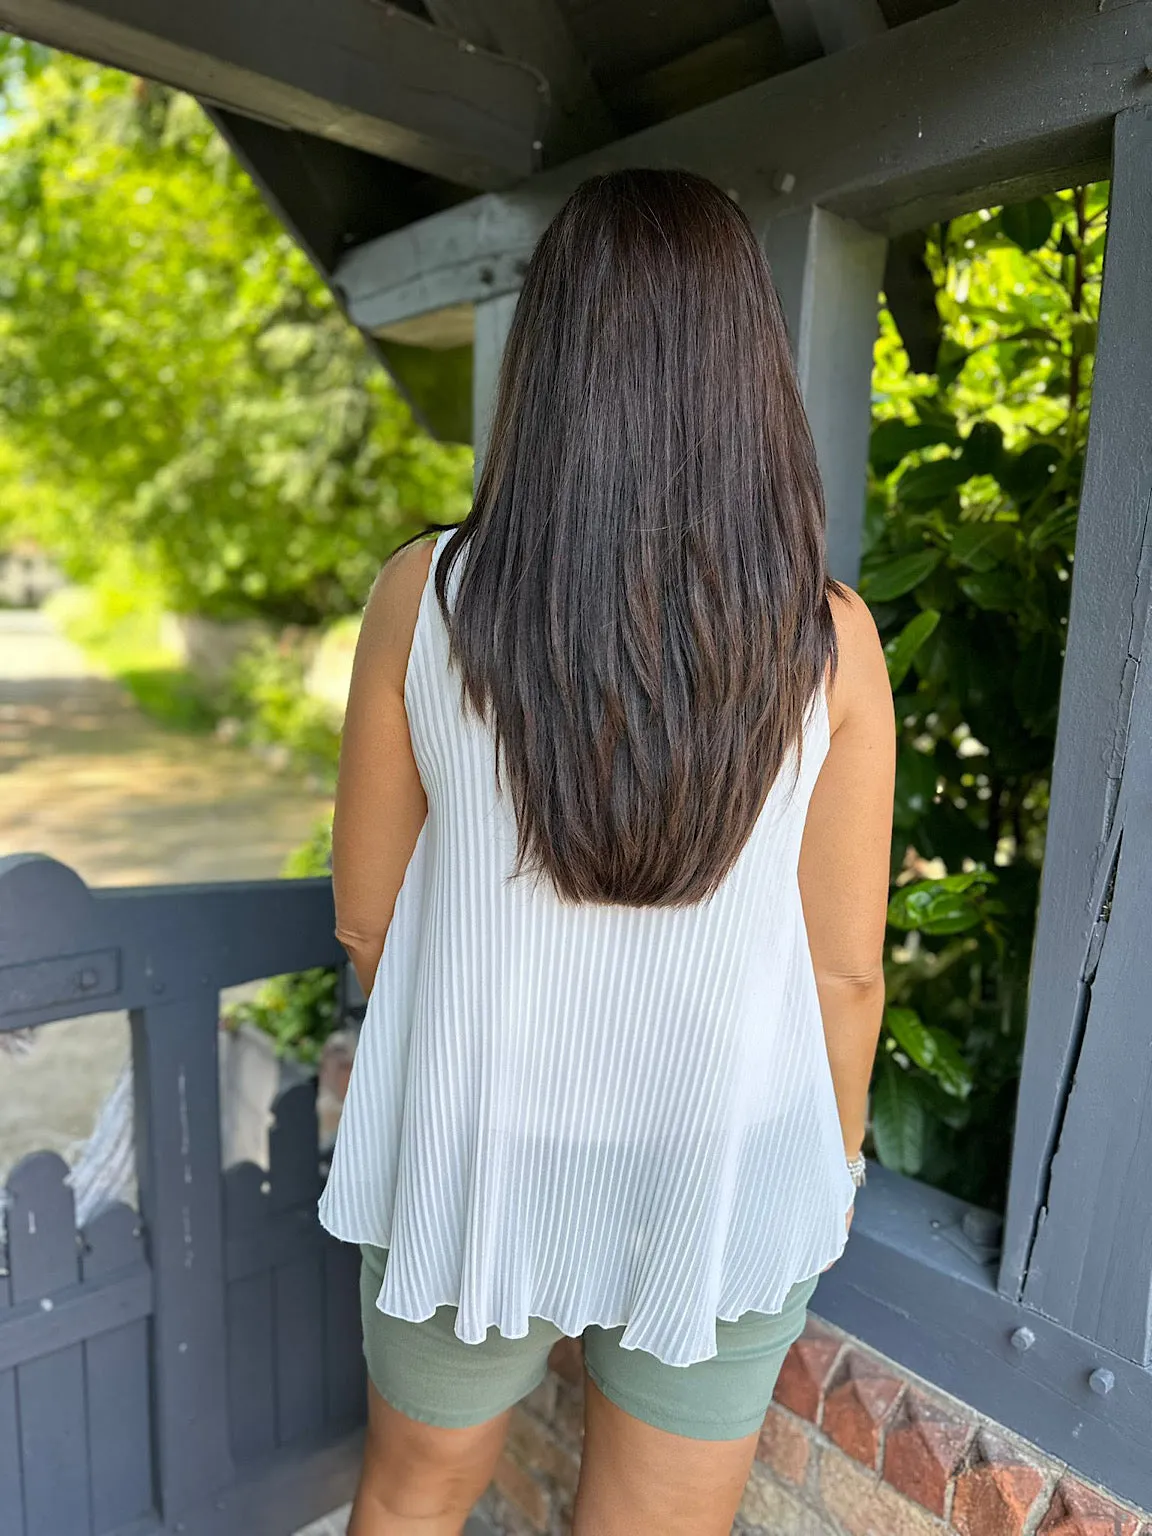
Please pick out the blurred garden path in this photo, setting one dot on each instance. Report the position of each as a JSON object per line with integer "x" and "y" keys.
{"x": 88, "y": 779}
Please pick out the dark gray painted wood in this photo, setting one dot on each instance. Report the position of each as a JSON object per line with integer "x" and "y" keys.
{"x": 1085, "y": 1010}
{"x": 298, "y": 1285}
{"x": 372, "y": 76}
{"x": 828, "y": 273}
{"x": 298, "y": 1311}
{"x": 77, "y": 1313}
{"x": 293, "y": 1158}
{"x": 1091, "y": 1264}
{"x": 812, "y": 27}
{"x": 536, "y": 32}
{"x": 282, "y": 1493}
{"x": 892, "y": 134}
{"x": 345, "y": 1375}
{"x": 12, "y": 1504}
{"x": 117, "y": 1384}
{"x": 42, "y": 1254}
{"x": 251, "y": 1375}
{"x": 182, "y": 941}
{"x": 910, "y": 1285}
{"x": 178, "y": 1163}
{"x": 493, "y": 320}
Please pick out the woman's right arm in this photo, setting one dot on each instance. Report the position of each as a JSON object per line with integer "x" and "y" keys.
{"x": 844, "y": 862}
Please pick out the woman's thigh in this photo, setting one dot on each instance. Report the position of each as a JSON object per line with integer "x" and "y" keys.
{"x": 667, "y": 1449}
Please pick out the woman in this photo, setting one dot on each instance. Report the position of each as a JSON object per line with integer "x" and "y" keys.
{"x": 611, "y": 858}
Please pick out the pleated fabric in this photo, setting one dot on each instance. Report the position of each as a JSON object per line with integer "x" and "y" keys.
{"x": 590, "y": 1114}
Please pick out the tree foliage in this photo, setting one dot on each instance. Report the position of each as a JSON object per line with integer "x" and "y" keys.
{"x": 974, "y": 485}
{"x": 174, "y": 378}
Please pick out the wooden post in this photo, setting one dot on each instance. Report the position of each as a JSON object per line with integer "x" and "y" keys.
{"x": 828, "y": 273}
{"x": 1079, "y": 1233}
{"x": 493, "y": 318}
{"x": 174, "y": 1063}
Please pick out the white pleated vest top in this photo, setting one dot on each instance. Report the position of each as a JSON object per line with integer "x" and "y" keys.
{"x": 590, "y": 1114}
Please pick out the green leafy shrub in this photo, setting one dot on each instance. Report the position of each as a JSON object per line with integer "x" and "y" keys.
{"x": 266, "y": 696}
{"x": 974, "y": 485}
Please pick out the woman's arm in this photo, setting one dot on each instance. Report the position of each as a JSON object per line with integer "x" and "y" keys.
{"x": 844, "y": 862}
{"x": 380, "y": 803}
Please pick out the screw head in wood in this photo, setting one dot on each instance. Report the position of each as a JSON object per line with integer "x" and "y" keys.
{"x": 1022, "y": 1339}
{"x": 1102, "y": 1381}
{"x": 784, "y": 181}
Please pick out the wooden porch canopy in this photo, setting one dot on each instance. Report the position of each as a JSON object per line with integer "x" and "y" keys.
{"x": 417, "y": 151}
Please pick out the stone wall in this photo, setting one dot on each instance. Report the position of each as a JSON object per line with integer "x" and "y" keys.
{"x": 853, "y": 1445}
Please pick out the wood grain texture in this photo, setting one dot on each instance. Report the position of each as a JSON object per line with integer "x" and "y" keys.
{"x": 1081, "y": 1174}
{"x": 174, "y": 1063}
{"x": 42, "y": 1253}
{"x": 117, "y": 1384}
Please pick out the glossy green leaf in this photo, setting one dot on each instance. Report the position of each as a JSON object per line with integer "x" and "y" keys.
{"x": 981, "y": 546}
{"x": 899, "y": 1120}
{"x": 931, "y": 482}
{"x": 895, "y": 577}
{"x": 1027, "y": 225}
{"x": 995, "y": 590}
{"x": 949, "y": 905}
{"x": 934, "y": 1050}
{"x": 900, "y": 652}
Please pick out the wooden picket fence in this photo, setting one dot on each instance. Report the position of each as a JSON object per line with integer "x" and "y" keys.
{"x": 194, "y": 1366}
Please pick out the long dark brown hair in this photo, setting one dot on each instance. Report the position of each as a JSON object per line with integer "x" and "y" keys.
{"x": 643, "y": 614}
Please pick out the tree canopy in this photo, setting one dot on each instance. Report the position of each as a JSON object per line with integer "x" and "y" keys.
{"x": 175, "y": 380}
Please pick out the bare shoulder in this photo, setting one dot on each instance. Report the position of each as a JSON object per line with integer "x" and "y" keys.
{"x": 861, "y": 682}
{"x": 392, "y": 609}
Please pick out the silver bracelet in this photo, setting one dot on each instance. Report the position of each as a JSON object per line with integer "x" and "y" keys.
{"x": 858, "y": 1169}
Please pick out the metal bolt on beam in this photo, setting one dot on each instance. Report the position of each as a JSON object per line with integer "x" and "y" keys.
{"x": 1102, "y": 1381}
{"x": 1022, "y": 1339}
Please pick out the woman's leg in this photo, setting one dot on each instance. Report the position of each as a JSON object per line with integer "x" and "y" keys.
{"x": 636, "y": 1480}
{"x": 418, "y": 1479}
{"x": 668, "y": 1449}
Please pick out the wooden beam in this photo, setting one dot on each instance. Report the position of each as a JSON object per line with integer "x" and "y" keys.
{"x": 974, "y": 104}
{"x": 535, "y": 32}
{"x": 493, "y": 319}
{"x": 827, "y": 273}
{"x": 812, "y": 27}
{"x": 366, "y": 75}
{"x": 1084, "y": 1135}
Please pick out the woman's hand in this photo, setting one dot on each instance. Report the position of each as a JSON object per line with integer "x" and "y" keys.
{"x": 847, "y": 1228}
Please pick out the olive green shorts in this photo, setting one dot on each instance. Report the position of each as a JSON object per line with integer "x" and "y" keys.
{"x": 430, "y": 1375}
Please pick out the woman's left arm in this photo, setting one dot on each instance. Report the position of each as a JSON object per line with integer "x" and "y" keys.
{"x": 380, "y": 801}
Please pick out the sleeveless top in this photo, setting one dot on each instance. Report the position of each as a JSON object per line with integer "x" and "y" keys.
{"x": 589, "y": 1114}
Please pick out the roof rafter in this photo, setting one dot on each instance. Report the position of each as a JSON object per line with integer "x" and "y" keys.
{"x": 955, "y": 111}
{"x": 368, "y": 75}
{"x": 536, "y": 32}
{"x": 812, "y": 27}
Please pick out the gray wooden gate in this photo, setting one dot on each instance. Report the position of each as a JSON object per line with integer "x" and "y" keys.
{"x": 194, "y": 1366}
